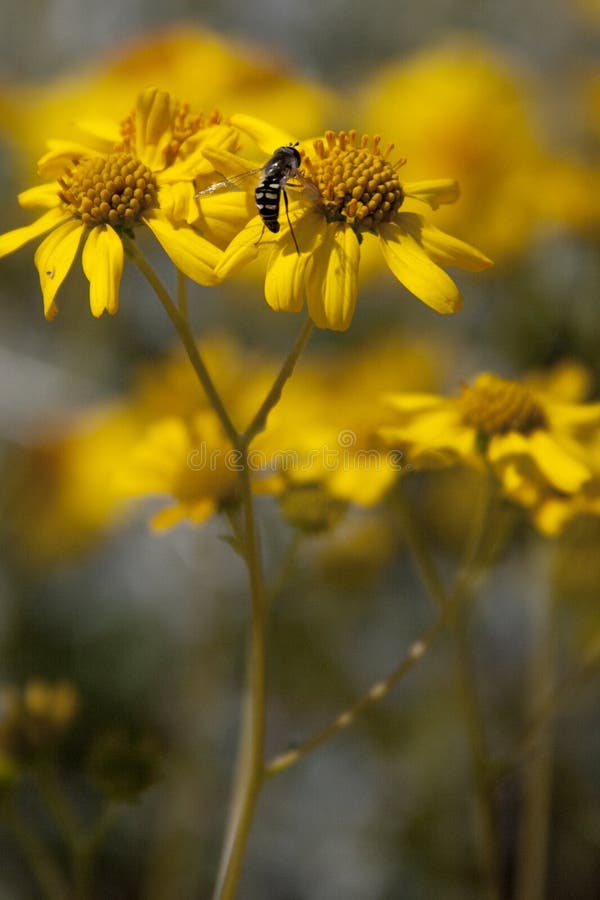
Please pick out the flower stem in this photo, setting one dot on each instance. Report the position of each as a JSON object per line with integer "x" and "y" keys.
{"x": 259, "y": 421}
{"x": 376, "y": 693}
{"x": 51, "y": 881}
{"x": 188, "y": 340}
{"x": 249, "y": 770}
{"x": 250, "y": 761}
{"x": 480, "y": 548}
{"x": 532, "y": 857}
{"x": 182, "y": 299}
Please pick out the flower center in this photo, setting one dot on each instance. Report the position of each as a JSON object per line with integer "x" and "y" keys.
{"x": 357, "y": 184}
{"x": 496, "y": 405}
{"x": 109, "y": 190}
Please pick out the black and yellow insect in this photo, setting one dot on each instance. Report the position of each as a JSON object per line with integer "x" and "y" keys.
{"x": 283, "y": 165}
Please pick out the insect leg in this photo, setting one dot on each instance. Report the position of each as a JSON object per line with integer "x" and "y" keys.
{"x": 287, "y": 215}
{"x": 262, "y": 231}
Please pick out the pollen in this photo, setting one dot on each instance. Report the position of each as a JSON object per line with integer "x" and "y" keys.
{"x": 355, "y": 180}
{"x": 497, "y": 405}
{"x": 109, "y": 190}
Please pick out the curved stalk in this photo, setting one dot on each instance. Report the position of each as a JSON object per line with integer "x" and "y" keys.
{"x": 250, "y": 762}
{"x": 259, "y": 421}
{"x": 479, "y": 550}
{"x": 374, "y": 695}
{"x": 188, "y": 340}
{"x": 250, "y": 770}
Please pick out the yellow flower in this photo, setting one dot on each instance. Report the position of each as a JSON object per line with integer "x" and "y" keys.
{"x": 536, "y": 444}
{"x": 242, "y": 79}
{"x": 190, "y": 461}
{"x": 33, "y": 720}
{"x": 106, "y": 188}
{"x": 60, "y": 486}
{"x": 463, "y": 108}
{"x": 351, "y": 192}
{"x": 324, "y": 429}
{"x": 319, "y": 446}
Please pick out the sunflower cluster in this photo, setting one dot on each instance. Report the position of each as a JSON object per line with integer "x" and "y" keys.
{"x": 155, "y": 170}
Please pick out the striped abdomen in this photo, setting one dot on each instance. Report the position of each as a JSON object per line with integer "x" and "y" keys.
{"x": 267, "y": 196}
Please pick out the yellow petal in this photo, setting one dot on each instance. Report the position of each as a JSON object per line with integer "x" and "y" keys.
{"x": 550, "y": 517}
{"x": 219, "y": 217}
{"x": 560, "y": 468}
{"x": 167, "y": 517}
{"x": 103, "y": 266}
{"x": 227, "y": 165}
{"x": 173, "y": 515}
{"x": 192, "y": 161}
{"x": 434, "y": 192}
{"x": 415, "y": 401}
{"x": 192, "y": 254}
{"x": 412, "y": 267}
{"x": 12, "y": 240}
{"x": 262, "y": 133}
{"x": 243, "y": 249}
{"x": 177, "y": 202}
{"x": 285, "y": 279}
{"x": 60, "y": 156}
{"x": 54, "y": 257}
{"x": 42, "y": 195}
{"x": 333, "y": 278}
{"x": 153, "y": 132}
{"x": 446, "y": 250}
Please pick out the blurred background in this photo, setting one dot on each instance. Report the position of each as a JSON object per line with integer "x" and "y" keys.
{"x": 131, "y": 643}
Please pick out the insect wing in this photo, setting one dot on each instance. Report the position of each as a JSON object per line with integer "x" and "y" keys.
{"x": 235, "y": 182}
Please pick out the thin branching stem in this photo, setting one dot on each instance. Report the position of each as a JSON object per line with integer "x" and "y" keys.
{"x": 259, "y": 421}
{"x": 46, "y": 871}
{"x": 188, "y": 340}
{"x": 250, "y": 770}
{"x": 480, "y": 548}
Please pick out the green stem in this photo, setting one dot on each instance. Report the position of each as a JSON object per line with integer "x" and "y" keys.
{"x": 187, "y": 338}
{"x": 250, "y": 762}
{"x": 479, "y": 550}
{"x": 480, "y": 756}
{"x": 48, "y": 875}
{"x": 259, "y": 421}
{"x": 552, "y": 704}
{"x": 81, "y": 841}
{"x": 532, "y": 857}
{"x": 374, "y": 695}
{"x": 182, "y": 301}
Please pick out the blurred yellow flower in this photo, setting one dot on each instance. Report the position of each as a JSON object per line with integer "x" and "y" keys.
{"x": 61, "y": 488}
{"x": 77, "y": 478}
{"x": 33, "y": 719}
{"x": 463, "y": 108}
{"x": 538, "y": 446}
{"x": 351, "y": 192}
{"x": 324, "y": 430}
{"x": 242, "y": 78}
{"x": 190, "y": 461}
{"x": 140, "y": 174}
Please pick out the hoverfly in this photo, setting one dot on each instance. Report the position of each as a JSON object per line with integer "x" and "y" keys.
{"x": 283, "y": 165}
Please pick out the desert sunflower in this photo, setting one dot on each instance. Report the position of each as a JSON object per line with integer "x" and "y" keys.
{"x": 143, "y": 173}
{"x": 350, "y": 193}
{"x": 538, "y": 446}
